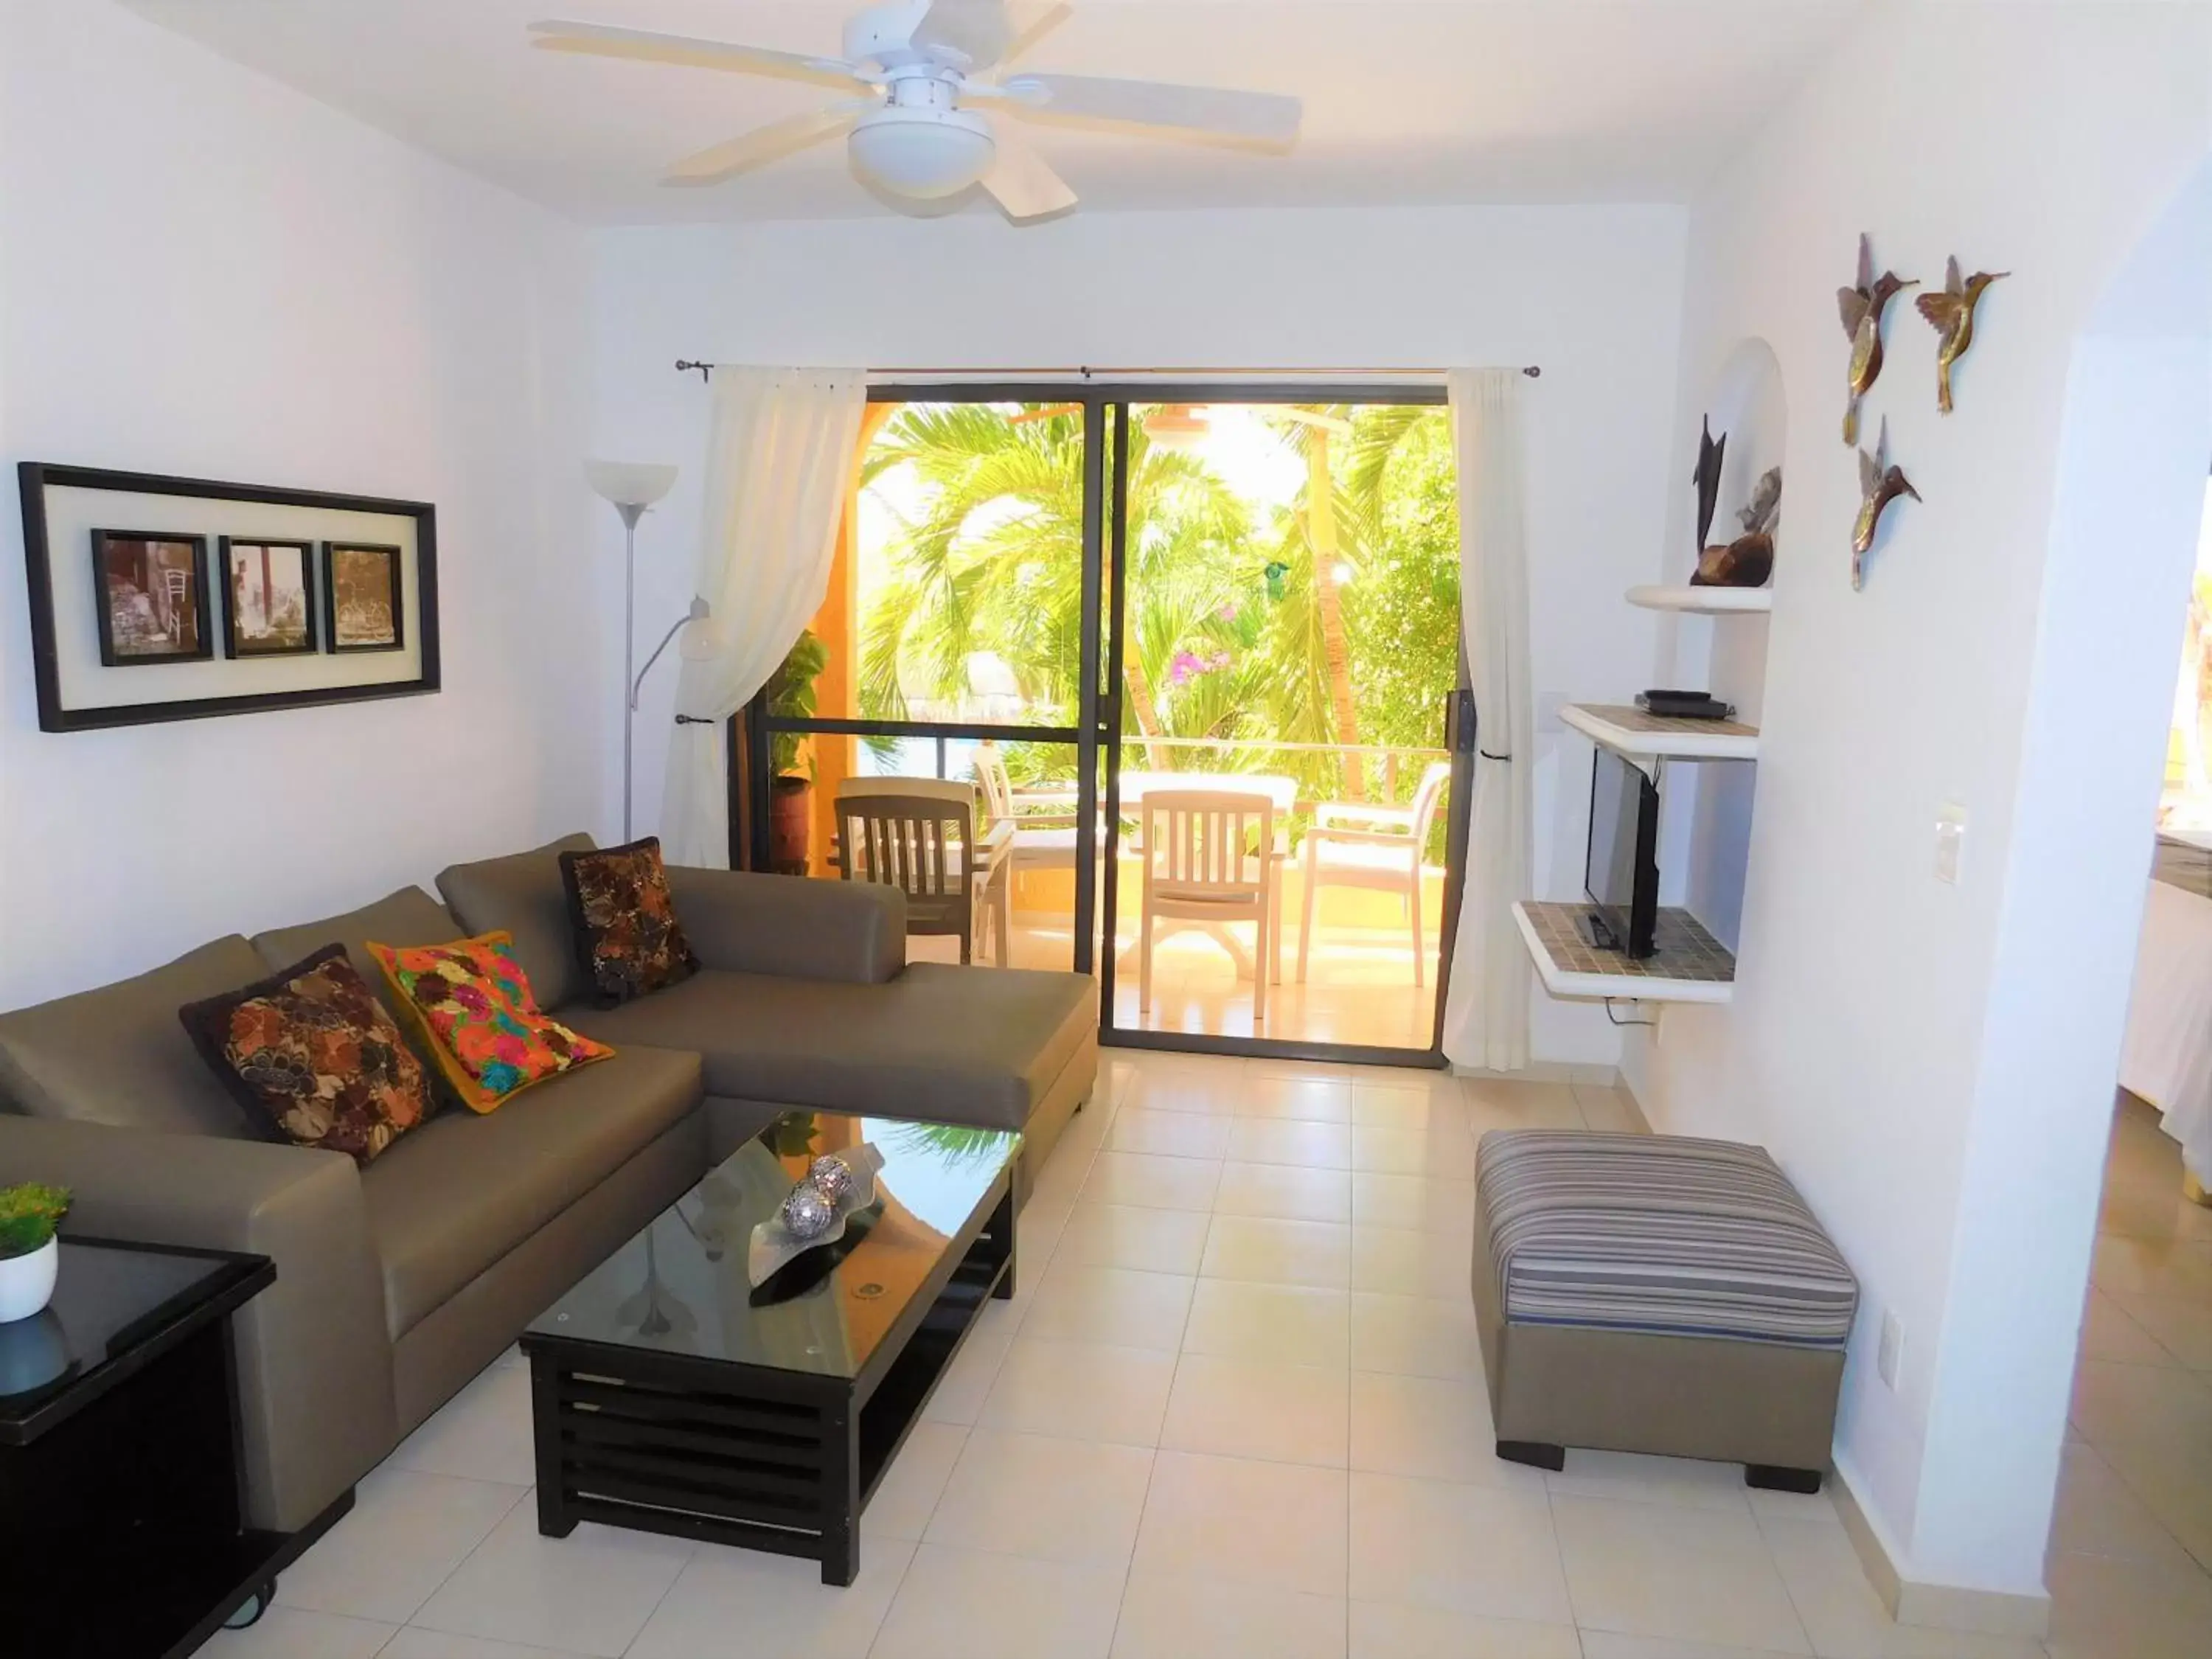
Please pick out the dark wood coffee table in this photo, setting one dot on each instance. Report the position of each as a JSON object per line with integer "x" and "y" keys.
{"x": 670, "y": 1395}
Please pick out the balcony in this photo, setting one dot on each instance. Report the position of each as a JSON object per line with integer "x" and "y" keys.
{"x": 1360, "y": 986}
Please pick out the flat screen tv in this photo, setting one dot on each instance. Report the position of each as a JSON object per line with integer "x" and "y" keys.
{"x": 1621, "y": 874}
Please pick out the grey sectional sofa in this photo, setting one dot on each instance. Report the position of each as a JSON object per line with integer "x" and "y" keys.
{"x": 398, "y": 1283}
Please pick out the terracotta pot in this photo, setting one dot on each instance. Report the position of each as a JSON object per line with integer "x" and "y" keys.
{"x": 790, "y": 825}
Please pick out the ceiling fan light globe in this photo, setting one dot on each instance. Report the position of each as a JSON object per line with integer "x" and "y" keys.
{"x": 923, "y": 154}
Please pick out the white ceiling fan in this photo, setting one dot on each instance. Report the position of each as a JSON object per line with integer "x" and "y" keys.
{"x": 916, "y": 65}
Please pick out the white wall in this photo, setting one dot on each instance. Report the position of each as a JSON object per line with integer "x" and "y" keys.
{"x": 203, "y": 273}
{"x": 1933, "y": 1065}
{"x": 1591, "y": 295}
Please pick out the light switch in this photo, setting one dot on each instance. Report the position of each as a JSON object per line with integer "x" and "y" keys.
{"x": 1950, "y": 841}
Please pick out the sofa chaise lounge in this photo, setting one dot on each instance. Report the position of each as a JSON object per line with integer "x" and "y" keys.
{"x": 396, "y": 1283}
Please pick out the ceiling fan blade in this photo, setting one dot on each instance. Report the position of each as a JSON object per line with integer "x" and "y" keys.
{"x": 1260, "y": 120}
{"x": 1032, "y": 23}
{"x": 764, "y": 144}
{"x": 1022, "y": 181}
{"x": 605, "y": 40}
{"x": 978, "y": 30}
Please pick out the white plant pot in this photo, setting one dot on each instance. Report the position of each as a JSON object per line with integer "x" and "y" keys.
{"x": 26, "y": 1282}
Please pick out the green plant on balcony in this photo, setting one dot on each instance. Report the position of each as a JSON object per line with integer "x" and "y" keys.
{"x": 791, "y": 695}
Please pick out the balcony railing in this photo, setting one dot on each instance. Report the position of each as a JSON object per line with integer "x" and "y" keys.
{"x": 1402, "y": 764}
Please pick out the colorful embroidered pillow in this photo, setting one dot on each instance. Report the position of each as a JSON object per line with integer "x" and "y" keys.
{"x": 628, "y": 938}
{"x": 471, "y": 1005}
{"x": 311, "y": 1052}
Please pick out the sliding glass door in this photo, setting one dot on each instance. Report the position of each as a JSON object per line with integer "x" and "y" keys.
{"x": 1090, "y": 602}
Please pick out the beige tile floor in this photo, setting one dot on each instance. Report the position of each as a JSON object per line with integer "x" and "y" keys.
{"x": 1237, "y": 1410}
{"x": 2130, "y": 1564}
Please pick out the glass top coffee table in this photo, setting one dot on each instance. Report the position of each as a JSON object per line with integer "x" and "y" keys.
{"x": 670, "y": 1395}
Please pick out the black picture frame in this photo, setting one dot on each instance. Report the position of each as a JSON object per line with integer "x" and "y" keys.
{"x": 34, "y": 478}
{"x": 105, "y": 544}
{"x": 234, "y": 644}
{"x": 395, "y": 583}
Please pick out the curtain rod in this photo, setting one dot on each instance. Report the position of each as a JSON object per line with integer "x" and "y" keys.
{"x": 684, "y": 366}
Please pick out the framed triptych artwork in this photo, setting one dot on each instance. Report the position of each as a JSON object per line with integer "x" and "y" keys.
{"x": 220, "y": 598}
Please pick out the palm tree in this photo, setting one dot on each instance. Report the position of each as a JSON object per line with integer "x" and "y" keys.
{"x": 1339, "y": 519}
{"x": 993, "y": 562}
{"x": 1234, "y": 629}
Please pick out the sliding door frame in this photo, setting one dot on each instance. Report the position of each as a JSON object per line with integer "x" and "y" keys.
{"x": 1097, "y": 731}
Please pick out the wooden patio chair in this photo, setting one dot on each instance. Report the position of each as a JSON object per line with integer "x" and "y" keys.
{"x": 918, "y": 835}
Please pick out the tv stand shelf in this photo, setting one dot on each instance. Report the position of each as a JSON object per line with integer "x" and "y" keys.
{"x": 1690, "y": 964}
{"x": 1627, "y": 730}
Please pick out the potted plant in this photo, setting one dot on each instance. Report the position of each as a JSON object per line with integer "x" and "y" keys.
{"x": 28, "y": 1253}
{"x": 791, "y": 805}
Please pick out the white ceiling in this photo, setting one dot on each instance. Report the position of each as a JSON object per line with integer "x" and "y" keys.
{"x": 1407, "y": 101}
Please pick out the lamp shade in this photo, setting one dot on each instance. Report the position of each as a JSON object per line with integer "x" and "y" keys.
{"x": 631, "y": 483}
{"x": 700, "y": 642}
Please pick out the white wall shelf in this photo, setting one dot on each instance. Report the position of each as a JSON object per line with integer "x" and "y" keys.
{"x": 1704, "y": 601}
{"x": 1690, "y": 964}
{"x": 1630, "y": 730}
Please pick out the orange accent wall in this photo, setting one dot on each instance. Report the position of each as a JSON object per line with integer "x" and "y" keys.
{"x": 837, "y": 625}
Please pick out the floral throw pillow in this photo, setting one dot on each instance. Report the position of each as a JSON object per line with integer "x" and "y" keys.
{"x": 312, "y": 1053}
{"x": 628, "y": 938}
{"x": 471, "y": 1005}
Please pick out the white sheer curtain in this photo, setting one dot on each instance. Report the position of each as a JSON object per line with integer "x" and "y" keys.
{"x": 779, "y": 464}
{"x": 1486, "y": 1014}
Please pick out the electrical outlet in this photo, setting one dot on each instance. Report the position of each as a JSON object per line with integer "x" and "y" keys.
{"x": 1890, "y": 1362}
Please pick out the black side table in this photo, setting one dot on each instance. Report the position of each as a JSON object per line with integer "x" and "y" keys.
{"x": 122, "y": 1529}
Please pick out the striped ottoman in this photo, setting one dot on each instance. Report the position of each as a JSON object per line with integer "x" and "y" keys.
{"x": 1655, "y": 1293}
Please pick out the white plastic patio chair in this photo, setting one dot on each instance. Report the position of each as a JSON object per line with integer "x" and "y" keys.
{"x": 1035, "y": 841}
{"x": 1210, "y": 858}
{"x": 1353, "y": 844}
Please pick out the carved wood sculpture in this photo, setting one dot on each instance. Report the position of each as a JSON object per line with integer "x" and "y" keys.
{"x": 1747, "y": 561}
{"x": 1707, "y": 478}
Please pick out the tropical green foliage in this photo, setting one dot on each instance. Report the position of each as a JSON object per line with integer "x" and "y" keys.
{"x": 1404, "y": 480}
{"x": 791, "y": 694}
{"x": 1225, "y": 636}
{"x": 28, "y": 1215}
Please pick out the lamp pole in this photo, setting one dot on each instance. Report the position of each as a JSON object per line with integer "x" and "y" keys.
{"x": 631, "y": 513}
{"x": 629, "y": 487}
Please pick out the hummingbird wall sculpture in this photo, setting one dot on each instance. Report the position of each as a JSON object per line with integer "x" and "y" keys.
{"x": 1880, "y": 483}
{"x": 1862, "y": 305}
{"x": 1951, "y": 314}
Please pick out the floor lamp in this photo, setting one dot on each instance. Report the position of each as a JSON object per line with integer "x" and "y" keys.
{"x": 632, "y": 486}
